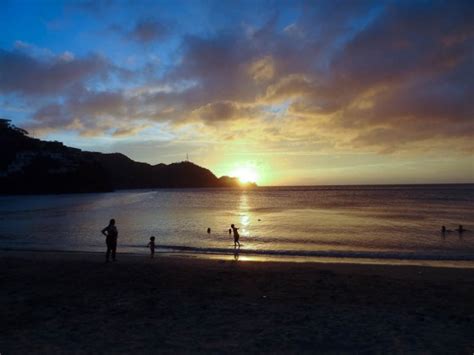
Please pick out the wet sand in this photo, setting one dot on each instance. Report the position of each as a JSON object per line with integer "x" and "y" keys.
{"x": 75, "y": 303}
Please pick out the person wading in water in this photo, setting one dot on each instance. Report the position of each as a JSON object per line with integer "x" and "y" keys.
{"x": 236, "y": 235}
{"x": 111, "y": 234}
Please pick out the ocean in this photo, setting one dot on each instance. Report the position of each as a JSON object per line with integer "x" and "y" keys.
{"x": 337, "y": 222}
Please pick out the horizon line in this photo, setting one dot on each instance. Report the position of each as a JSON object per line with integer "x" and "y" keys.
{"x": 376, "y": 184}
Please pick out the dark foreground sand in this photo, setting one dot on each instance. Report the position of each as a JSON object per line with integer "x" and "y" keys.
{"x": 74, "y": 303}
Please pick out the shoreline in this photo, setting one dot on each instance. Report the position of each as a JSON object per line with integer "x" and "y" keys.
{"x": 407, "y": 270}
{"x": 402, "y": 271}
{"x": 248, "y": 256}
{"x": 261, "y": 187}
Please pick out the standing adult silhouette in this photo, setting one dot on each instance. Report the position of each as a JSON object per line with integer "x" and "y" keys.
{"x": 111, "y": 234}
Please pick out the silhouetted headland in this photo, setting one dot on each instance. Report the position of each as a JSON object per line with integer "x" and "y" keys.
{"x": 30, "y": 165}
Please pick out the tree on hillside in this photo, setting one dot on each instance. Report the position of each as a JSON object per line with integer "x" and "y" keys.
{"x": 7, "y": 126}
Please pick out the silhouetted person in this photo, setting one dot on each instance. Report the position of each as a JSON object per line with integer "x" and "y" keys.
{"x": 443, "y": 232}
{"x": 236, "y": 235}
{"x": 208, "y": 230}
{"x": 111, "y": 234}
{"x": 151, "y": 245}
{"x": 461, "y": 229}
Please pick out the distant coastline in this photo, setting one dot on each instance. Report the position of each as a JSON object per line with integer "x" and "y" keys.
{"x": 33, "y": 166}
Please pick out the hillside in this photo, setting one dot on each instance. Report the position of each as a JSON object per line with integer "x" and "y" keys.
{"x": 30, "y": 165}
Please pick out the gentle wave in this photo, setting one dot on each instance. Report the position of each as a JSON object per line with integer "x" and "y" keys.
{"x": 320, "y": 253}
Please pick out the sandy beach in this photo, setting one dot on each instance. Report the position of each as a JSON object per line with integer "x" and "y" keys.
{"x": 75, "y": 303}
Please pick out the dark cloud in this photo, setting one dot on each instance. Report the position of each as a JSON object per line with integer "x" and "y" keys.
{"x": 404, "y": 41}
{"x": 224, "y": 111}
{"x": 128, "y": 131}
{"x": 51, "y": 116}
{"x": 148, "y": 30}
{"x": 87, "y": 112}
{"x": 218, "y": 65}
{"x": 382, "y": 75}
{"x": 28, "y": 75}
{"x": 144, "y": 31}
{"x": 99, "y": 103}
{"x": 375, "y": 70}
{"x": 402, "y": 81}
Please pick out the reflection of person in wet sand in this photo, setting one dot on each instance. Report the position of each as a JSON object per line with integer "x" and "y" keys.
{"x": 111, "y": 234}
{"x": 236, "y": 235}
{"x": 236, "y": 254}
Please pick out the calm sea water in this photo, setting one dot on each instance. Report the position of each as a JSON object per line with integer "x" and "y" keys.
{"x": 363, "y": 221}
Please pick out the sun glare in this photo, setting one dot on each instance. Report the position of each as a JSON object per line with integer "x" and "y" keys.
{"x": 246, "y": 174}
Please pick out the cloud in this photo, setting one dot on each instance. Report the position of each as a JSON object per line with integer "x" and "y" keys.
{"x": 223, "y": 111}
{"x": 288, "y": 87}
{"x": 148, "y": 30}
{"x": 380, "y": 76}
{"x": 262, "y": 69}
{"x": 24, "y": 74}
{"x": 144, "y": 31}
{"x": 129, "y": 131}
{"x": 89, "y": 113}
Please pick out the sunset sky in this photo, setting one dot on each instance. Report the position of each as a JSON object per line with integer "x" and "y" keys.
{"x": 295, "y": 93}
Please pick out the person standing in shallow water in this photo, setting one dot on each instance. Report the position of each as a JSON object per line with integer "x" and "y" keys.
{"x": 111, "y": 234}
{"x": 236, "y": 235}
{"x": 151, "y": 245}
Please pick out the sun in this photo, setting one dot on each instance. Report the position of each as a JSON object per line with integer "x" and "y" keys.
{"x": 246, "y": 174}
